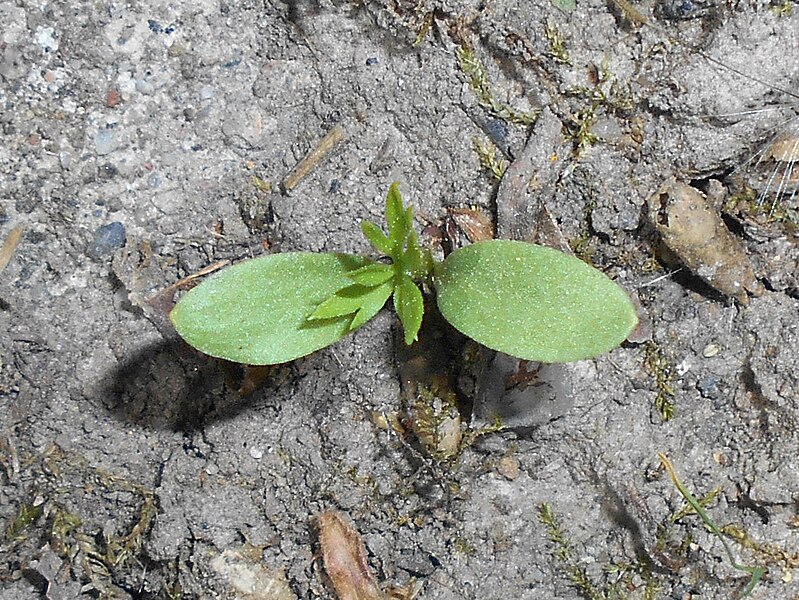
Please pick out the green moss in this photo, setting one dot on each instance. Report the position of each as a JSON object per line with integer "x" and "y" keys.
{"x": 66, "y": 480}
{"x": 478, "y": 78}
{"x": 27, "y": 515}
{"x": 563, "y": 552}
{"x": 489, "y": 157}
{"x": 607, "y": 95}
{"x": 556, "y": 45}
{"x": 662, "y": 369}
{"x": 623, "y": 580}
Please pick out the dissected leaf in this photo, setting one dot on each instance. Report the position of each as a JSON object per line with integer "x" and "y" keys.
{"x": 376, "y": 237}
{"x": 409, "y": 305}
{"x": 256, "y": 312}
{"x": 372, "y": 275}
{"x": 343, "y": 302}
{"x": 532, "y": 302}
{"x": 408, "y": 217}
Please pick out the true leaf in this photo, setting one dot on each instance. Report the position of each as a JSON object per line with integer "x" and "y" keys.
{"x": 359, "y": 300}
{"x": 532, "y": 302}
{"x": 371, "y": 304}
{"x": 395, "y": 219}
{"x": 256, "y": 312}
{"x": 409, "y": 306}
{"x": 376, "y": 237}
{"x": 372, "y": 275}
{"x": 416, "y": 261}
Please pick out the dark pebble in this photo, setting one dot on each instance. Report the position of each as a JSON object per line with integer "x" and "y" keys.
{"x": 107, "y": 171}
{"x": 708, "y": 387}
{"x": 107, "y": 239}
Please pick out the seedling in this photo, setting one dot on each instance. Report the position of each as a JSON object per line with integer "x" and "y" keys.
{"x": 529, "y": 301}
{"x": 755, "y": 573}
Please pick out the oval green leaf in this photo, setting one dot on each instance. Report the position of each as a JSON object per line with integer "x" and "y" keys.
{"x": 532, "y": 302}
{"x": 256, "y": 312}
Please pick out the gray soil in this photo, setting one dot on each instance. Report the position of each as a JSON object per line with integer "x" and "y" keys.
{"x": 131, "y": 136}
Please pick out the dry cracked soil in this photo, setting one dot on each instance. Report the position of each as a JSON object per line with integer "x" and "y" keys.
{"x": 145, "y": 141}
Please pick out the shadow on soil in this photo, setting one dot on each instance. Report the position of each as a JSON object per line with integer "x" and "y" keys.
{"x": 167, "y": 385}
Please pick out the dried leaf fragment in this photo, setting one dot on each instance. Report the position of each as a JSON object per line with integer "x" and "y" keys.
{"x": 344, "y": 558}
{"x": 475, "y": 222}
{"x": 696, "y": 234}
{"x": 250, "y": 580}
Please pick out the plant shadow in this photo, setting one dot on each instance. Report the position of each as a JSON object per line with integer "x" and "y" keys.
{"x": 169, "y": 386}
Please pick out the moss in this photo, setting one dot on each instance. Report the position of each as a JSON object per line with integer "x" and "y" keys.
{"x": 478, "y": 78}
{"x": 556, "y": 45}
{"x": 606, "y": 95}
{"x": 27, "y": 515}
{"x": 563, "y": 552}
{"x": 489, "y": 157}
{"x": 66, "y": 484}
{"x": 662, "y": 369}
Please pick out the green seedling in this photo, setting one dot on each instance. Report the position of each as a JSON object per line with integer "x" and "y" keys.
{"x": 755, "y": 573}
{"x": 529, "y": 301}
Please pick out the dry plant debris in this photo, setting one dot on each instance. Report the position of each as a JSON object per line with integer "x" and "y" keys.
{"x": 7, "y": 251}
{"x": 344, "y": 558}
{"x": 694, "y": 231}
{"x": 250, "y": 580}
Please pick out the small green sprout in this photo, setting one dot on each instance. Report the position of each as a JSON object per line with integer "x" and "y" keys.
{"x": 531, "y": 302}
{"x": 755, "y": 573}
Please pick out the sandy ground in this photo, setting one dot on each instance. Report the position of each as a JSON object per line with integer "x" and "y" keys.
{"x": 144, "y": 142}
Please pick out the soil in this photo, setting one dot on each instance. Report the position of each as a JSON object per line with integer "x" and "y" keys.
{"x": 142, "y": 142}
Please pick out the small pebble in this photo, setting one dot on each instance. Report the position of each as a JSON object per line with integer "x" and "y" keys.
{"x": 709, "y": 387}
{"x": 498, "y": 131}
{"x": 107, "y": 171}
{"x": 711, "y": 350}
{"x": 46, "y": 38}
{"x": 112, "y": 98}
{"x": 104, "y": 142}
{"x": 371, "y": 61}
{"x": 107, "y": 239}
{"x": 144, "y": 86}
{"x": 509, "y": 467}
{"x": 256, "y": 453}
